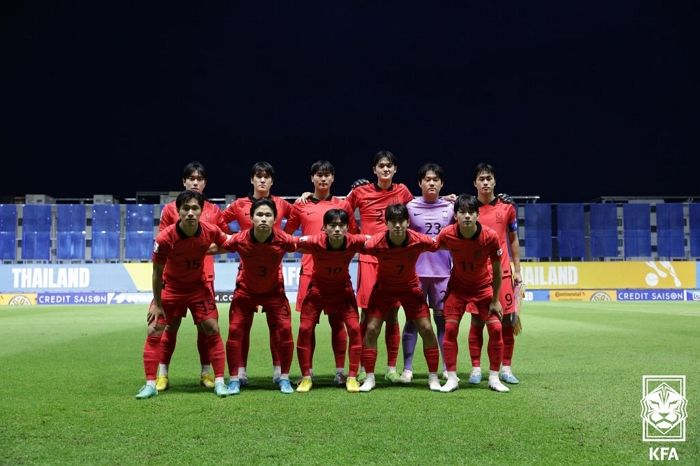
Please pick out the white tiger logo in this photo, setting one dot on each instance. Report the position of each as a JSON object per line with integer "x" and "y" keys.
{"x": 664, "y": 408}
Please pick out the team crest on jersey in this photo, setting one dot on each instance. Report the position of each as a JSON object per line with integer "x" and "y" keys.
{"x": 499, "y": 217}
{"x": 499, "y": 253}
{"x": 155, "y": 247}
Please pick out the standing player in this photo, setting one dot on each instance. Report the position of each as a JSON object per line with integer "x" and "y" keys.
{"x": 397, "y": 251}
{"x": 261, "y": 248}
{"x": 330, "y": 290}
{"x": 262, "y": 176}
{"x": 472, "y": 286}
{"x": 194, "y": 177}
{"x": 309, "y": 215}
{"x": 178, "y": 259}
{"x": 429, "y": 214}
{"x": 501, "y": 216}
{"x": 372, "y": 201}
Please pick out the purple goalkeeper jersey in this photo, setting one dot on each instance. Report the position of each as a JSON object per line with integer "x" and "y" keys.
{"x": 430, "y": 218}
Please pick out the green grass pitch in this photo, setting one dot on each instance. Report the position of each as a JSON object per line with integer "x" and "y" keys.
{"x": 69, "y": 376}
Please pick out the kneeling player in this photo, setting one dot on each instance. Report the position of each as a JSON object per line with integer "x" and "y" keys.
{"x": 397, "y": 251}
{"x": 472, "y": 286}
{"x": 330, "y": 289}
{"x": 178, "y": 260}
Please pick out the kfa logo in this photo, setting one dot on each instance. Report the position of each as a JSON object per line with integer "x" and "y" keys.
{"x": 663, "y": 408}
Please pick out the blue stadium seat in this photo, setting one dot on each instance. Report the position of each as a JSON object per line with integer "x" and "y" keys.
{"x": 105, "y": 231}
{"x": 603, "y": 223}
{"x": 570, "y": 234}
{"x": 138, "y": 241}
{"x": 538, "y": 230}
{"x": 669, "y": 230}
{"x": 70, "y": 231}
{"x": 36, "y": 232}
{"x": 636, "y": 221}
{"x": 8, "y": 231}
{"x": 694, "y": 223}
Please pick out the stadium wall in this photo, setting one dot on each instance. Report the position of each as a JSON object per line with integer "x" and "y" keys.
{"x": 76, "y": 284}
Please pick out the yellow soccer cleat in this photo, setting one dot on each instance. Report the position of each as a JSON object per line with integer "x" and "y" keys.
{"x": 305, "y": 385}
{"x": 162, "y": 383}
{"x": 352, "y": 385}
{"x": 207, "y": 380}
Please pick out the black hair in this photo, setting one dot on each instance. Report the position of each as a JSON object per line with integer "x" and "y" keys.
{"x": 188, "y": 194}
{"x": 396, "y": 212}
{"x": 332, "y": 215}
{"x": 322, "y": 166}
{"x": 192, "y": 167}
{"x": 467, "y": 202}
{"x": 262, "y": 167}
{"x": 431, "y": 167}
{"x": 484, "y": 167}
{"x": 384, "y": 154}
{"x": 261, "y": 202}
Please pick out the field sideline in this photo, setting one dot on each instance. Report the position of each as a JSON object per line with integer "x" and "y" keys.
{"x": 69, "y": 376}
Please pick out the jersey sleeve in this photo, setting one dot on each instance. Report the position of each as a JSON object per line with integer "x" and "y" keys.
{"x": 294, "y": 219}
{"x": 512, "y": 219}
{"x": 232, "y": 242}
{"x": 168, "y": 216}
{"x": 288, "y": 242}
{"x": 405, "y": 194}
{"x": 161, "y": 249}
{"x": 352, "y": 223}
{"x": 230, "y": 213}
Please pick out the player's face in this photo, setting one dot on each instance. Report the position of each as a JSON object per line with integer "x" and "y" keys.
{"x": 195, "y": 182}
{"x": 263, "y": 218}
{"x": 466, "y": 219}
{"x": 190, "y": 212}
{"x": 322, "y": 181}
{"x": 385, "y": 170}
{"x": 397, "y": 228}
{"x": 262, "y": 181}
{"x": 430, "y": 185}
{"x": 336, "y": 229}
{"x": 485, "y": 183}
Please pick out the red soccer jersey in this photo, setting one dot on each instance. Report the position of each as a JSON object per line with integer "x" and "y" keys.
{"x": 502, "y": 218}
{"x": 184, "y": 255}
{"x": 470, "y": 256}
{"x": 330, "y": 273}
{"x": 310, "y": 217}
{"x": 260, "y": 269}
{"x": 372, "y": 201}
{"x": 397, "y": 264}
{"x": 239, "y": 210}
{"x": 210, "y": 214}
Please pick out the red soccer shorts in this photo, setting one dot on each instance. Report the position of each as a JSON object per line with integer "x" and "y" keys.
{"x": 506, "y": 295}
{"x": 472, "y": 301}
{"x": 200, "y": 302}
{"x": 304, "y": 281}
{"x": 341, "y": 301}
{"x": 383, "y": 302}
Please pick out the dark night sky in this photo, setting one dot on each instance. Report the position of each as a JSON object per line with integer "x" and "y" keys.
{"x": 568, "y": 101}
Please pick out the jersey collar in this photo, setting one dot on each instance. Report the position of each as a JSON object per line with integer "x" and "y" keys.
{"x": 183, "y": 235}
{"x": 379, "y": 188}
{"x": 392, "y": 245}
{"x": 342, "y": 248}
{"x": 476, "y": 235}
{"x": 492, "y": 203}
{"x": 254, "y": 240}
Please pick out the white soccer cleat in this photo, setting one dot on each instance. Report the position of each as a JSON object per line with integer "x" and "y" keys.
{"x": 451, "y": 385}
{"x": 368, "y": 384}
{"x": 496, "y": 385}
{"x": 434, "y": 383}
{"x": 406, "y": 376}
{"x": 475, "y": 376}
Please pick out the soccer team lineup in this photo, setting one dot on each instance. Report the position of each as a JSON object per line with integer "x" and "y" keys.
{"x": 436, "y": 256}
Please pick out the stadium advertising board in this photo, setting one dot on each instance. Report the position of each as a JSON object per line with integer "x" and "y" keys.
{"x": 583, "y": 295}
{"x": 65, "y": 278}
{"x": 17, "y": 299}
{"x": 692, "y": 295}
{"x": 72, "y": 298}
{"x": 609, "y": 275}
{"x": 651, "y": 295}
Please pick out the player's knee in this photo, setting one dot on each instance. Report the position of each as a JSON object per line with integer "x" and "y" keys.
{"x": 209, "y": 327}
